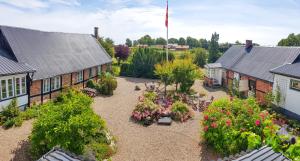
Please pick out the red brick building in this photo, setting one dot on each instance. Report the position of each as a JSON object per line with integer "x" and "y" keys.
{"x": 246, "y": 68}
{"x": 59, "y": 60}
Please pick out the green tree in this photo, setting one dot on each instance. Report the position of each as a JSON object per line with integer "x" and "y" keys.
{"x": 192, "y": 42}
{"x": 200, "y": 56}
{"x": 181, "y": 41}
{"x": 135, "y": 43}
{"x": 291, "y": 40}
{"x": 173, "y": 41}
{"x": 185, "y": 73}
{"x": 108, "y": 45}
{"x": 165, "y": 73}
{"x": 213, "y": 48}
{"x": 161, "y": 41}
{"x": 146, "y": 40}
{"x": 128, "y": 42}
{"x": 203, "y": 43}
{"x": 224, "y": 47}
{"x": 70, "y": 123}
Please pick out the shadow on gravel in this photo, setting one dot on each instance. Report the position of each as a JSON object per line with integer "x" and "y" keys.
{"x": 207, "y": 153}
{"x": 22, "y": 153}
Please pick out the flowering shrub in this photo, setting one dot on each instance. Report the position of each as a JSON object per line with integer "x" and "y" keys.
{"x": 233, "y": 126}
{"x": 70, "y": 123}
{"x": 145, "y": 109}
{"x": 180, "y": 111}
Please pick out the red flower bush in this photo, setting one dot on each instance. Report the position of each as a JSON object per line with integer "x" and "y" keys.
{"x": 233, "y": 126}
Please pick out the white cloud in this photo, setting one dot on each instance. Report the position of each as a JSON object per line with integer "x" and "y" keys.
{"x": 66, "y": 2}
{"x": 30, "y": 4}
{"x": 39, "y": 4}
{"x": 137, "y": 21}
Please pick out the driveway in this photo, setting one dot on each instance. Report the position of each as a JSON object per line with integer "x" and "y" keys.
{"x": 178, "y": 142}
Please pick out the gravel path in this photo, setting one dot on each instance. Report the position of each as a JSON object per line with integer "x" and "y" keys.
{"x": 178, "y": 142}
{"x": 14, "y": 143}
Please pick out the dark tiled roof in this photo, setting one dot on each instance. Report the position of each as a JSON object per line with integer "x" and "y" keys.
{"x": 258, "y": 61}
{"x": 53, "y": 53}
{"x": 8, "y": 67}
{"x": 292, "y": 70}
{"x": 264, "y": 153}
{"x": 57, "y": 154}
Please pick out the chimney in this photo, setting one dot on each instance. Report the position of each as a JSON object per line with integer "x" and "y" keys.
{"x": 96, "y": 32}
{"x": 248, "y": 44}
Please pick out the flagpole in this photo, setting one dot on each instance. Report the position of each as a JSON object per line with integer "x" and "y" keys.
{"x": 167, "y": 25}
{"x": 167, "y": 43}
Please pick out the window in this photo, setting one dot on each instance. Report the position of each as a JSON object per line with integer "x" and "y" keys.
{"x": 3, "y": 89}
{"x": 46, "y": 85}
{"x": 295, "y": 84}
{"x": 55, "y": 83}
{"x": 23, "y": 85}
{"x": 7, "y": 88}
{"x": 80, "y": 76}
{"x": 10, "y": 88}
{"x": 99, "y": 70}
{"x": 91, "y": 74}
{"x": 20, "y": 85}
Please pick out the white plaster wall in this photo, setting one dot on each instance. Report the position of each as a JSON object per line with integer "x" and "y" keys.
{"x": 22, "y": 100}
{"x": 290, "y": 97}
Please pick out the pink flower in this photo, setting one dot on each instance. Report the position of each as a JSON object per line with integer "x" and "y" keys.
{"x": 206, "y": 117}
{"x": 205, "y": 128}
{"x": 257, "y": 122}
{"x": 228, "y": 122}
{"x": 214, "y": 125}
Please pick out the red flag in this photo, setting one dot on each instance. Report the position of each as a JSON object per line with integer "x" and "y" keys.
{"x": 167, "y": 16}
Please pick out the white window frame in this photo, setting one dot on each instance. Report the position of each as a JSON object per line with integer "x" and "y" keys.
{"x": 292, "y": 83}
{"x": 22, "y": 86}
{"x": 7, "y": 91}
{"x": 91, "y": 73}
{"x": 46, "y": 85}
{"x": 99, "y": 70}
{"x": 79, "y": 77}
{"x": 55, "y": 83}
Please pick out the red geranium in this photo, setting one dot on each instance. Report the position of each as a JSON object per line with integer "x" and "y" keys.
{"x": 206, "y": 117}
{"x": 257, "y": 122}
{"x": 228, "y": 122}
{"x": 214, "y": 125}
{"x": 205, "y": 128}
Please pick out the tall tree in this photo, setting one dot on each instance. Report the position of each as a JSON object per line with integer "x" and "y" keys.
{"x": 224, "y": 47}
{"x": 135, "y": 43}
{"x": 121, "y": 52}
{"x": 213, "y": 48}
{"x": 161, "y": 41}
{"x": 291, "y": 40}
{"x": 128, "y": 42}
{"x": 146, "y": 40}
{"x": 203, "y": 43}
{"x": 200, "y": 57}
{"x": 192, "y": 42}
{"x": 164, "y": 72}
{"x": 108, "y": 45}
{"x": 173, "y": 41}
{"x": 181, "y": 41}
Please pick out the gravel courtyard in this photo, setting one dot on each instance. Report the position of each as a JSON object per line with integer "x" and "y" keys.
{"x": 178, "y": 142}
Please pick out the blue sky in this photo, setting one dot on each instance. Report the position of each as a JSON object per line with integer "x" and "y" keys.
{"x": 263, "y": 21}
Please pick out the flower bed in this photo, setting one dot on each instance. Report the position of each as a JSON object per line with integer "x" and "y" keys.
{"x": 237, "y": 125}
{"x": 150, "y": 108}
